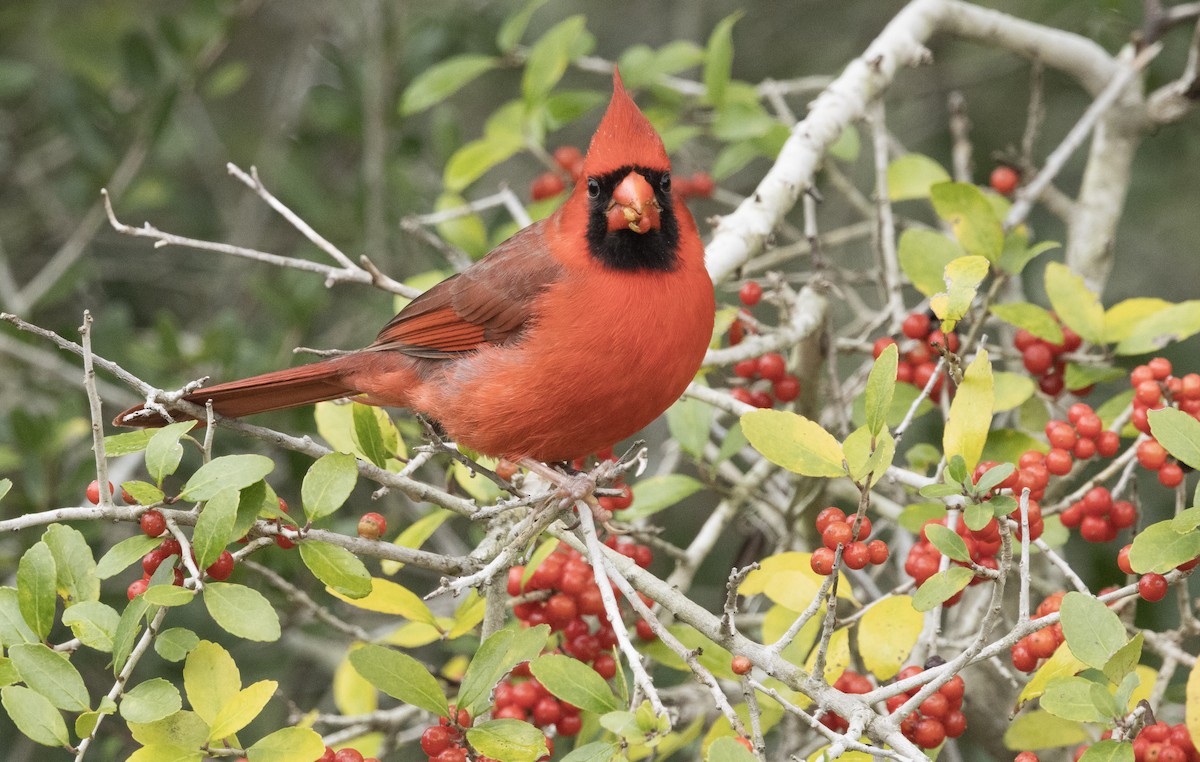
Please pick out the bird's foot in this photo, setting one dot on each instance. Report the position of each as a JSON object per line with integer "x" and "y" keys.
{"x": 579, "y": 487}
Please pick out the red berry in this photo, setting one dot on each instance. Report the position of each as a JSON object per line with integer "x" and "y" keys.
{"x": 153, "y": 523}
{"x": 283, "y": 506}
{"x": 1061, "y": 435}
{"x": 327, "y": 756}
{"x": 703, "y": 185}
{"x": 750, "y": 293}
{"x": 435, "y": 739}
{"x": 761, "y": 399}
{"x": 953, "y": 691}
{"x": 569, "y": 725}
{"x": 935, "y": 706}
{"x": 93, "y": 491}
{"x": 822, "y": 561}
{"x": 1170, "y": 475}
{"x": 741, "y": 394}
{"x": 828, "y": 516}
{"x": 645, "y": 631}
{"x": 152, "y": 560}
{"x": 1084, "y": 449}
{"x": 546, "y": 185}
{"x": 915, "y": 326}
{"x": 546, "y": 711}
{"x": 1026, "y": 756}
{"x": 787, "y": 388}
{"x": 372, "y": 526}
{"x": 1089, "y": 426}
{"x": 605, "y": 666}
{"x": 856, "y": 555}
{"x": 955, "y": 723}
{"x": 1152, "y": 587}
{"x": 348, "y": 755}
{"x": 570, "y": 159}
{"x": 929, "y": 733}
{"x": 1123, "y": 514}
{"x": 746, "y": 368}
{"x": 1097, "y": 501}
{"x": 1160, "y": 367}
{"x": 836, "y": 533}
{"x": 1022, "y": 659}
{"x": 136, "y": 588}
{"x": 1059, "y": 462}
{"x": 772, "y": 366}
{"x": 1038, "y": 358}
{"x": 561, "y": 608}
{"x": 740, "y": 665}
{"x": 284, "y": 542}
{"x": 1094, "y": 529}
{"x": 878, "y": 550}
{"x": 1148, "y": 393}
{"x": 222, "y": 567}
{"x": 453, "y": 754}
{"x": 1004, "y": 180}
{"x": 1042, "y": 643}
{"x": 1123, "y": 560}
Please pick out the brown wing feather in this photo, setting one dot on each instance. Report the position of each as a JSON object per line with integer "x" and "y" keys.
{"x": 487, "y": 304}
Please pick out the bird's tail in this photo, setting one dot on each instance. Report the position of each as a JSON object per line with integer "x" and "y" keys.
{"x": 293, "y": 387}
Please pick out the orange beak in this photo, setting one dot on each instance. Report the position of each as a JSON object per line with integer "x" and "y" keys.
{"x": 633, "y": 206}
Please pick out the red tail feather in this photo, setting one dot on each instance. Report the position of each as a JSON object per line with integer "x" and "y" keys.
{"x": 293, "y": 387}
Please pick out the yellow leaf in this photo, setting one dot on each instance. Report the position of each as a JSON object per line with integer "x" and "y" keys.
{"x": 1122, "y": 318}
{"x": 837, "y": 656}
{"x": 887, "y": 633}
{"x": 165, "y": 753}
{"x": 1062, "y": 663}
{"x": 963, "y": 277}
{"x": 970, "y": 413}
{"x": 794, "y": 442}
{"x": 776, "y": 622}
{"x": 1192, "y": 716}
{"x": 241, "y": 709}
{"x": 468, "y": 614}
{"x": 847, "y": 756}
{"x": 454, "y": 669}
{"x": 211, "y": 679}
{"x": 1147, "y": 676}
{"x": 352, "y": 694}
{"x": 416, "y": 634}
{"x": 1074, "y": 303}
{"x": 415, "y": 535}
{"x": 387, "y": 597}
{"x": 789, "y": 576}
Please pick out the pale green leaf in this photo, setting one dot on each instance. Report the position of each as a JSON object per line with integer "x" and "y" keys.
{"x": 241, "y": 611}
{"x": 794, "y": 442}
{"x": 1077, "y": 307}
{"x": 912, "y": 175}
{"x": 970, "y": 417}
{"x": 442, "y": 80}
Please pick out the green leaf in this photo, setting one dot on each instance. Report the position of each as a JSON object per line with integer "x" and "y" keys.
{"x": 442, "y": 80}
{"x": 164, "y": 452}
{"x": 1175, "y": 323}
{"x": 911, "y": 176}
{"x": 176, "y": 643}
{"x": 241, "y": 611}
{"x": 514, "y": 26}
{"x": 1041, "y": 730}
{"x": 168, "y": 595}
{"x": 727, "y": 749}
{"x": 862, "y": 458}
{"x": 963, "y": 277}
{"x": 941, "y": 587}
{"x": 794, "y": 442}
{"x": 143, "y": 493}
{"x": 948, "y": 542}
{"x": 225, "y": 472}
{"x": 1016, "y": 255}
{"x": 34, "y": 716}
{"x": 1071, "y": 699}
{"x": 165, "y": 752}
{"x": 470, "y": 162}
{"x": 1130, "y": 683}
{"x": 971, "y": 217}
{"x": 126, "y": 552}
{"x": 1079, "y": 376}
{"x": 596, "y": 751}
{"x": 127, "y": 631}
{"x": 336, "y": 567}
{"x": 487, "y": 666}
{"x": 1178, "y": 432}
{"x": 183, "y": 728}
{"x": 75, "y": 568}
{"x": 689, "y": 420}
{"x": 881, "y": 386}
{"x": 1121, "y": 319}
{"x": 549, "y": 56}
{"x": 287, "y": 745}
{"x": 1109, "y": 751}
{"x": 971, "y": 413}
{"x": 993, "y": 476}
{"x": 151, "y": 701}
{"x": 574, "y": 682}
{"x": 1159, "y": 548}
{"x": 718, "y": 59}
{"x": 401, "y": 677}
{"x": 211, "y": 678}
{"x": 1032, "y": 318}
{"x": 328, "y": 484}
{"x": 241, "y": 709}
{"x": 376, "y": 438}
{"x": 1077, "y": 307}
{"x": 657, "y": 493}
{"x": 1092, "y": 630}
{"x": 214, "y": 527}
{"x": 93, "y": 623}
{"x": 508, "y": 740}
{"x": 128, "y": 442}
{"x": 50, "y": 674}
{"x": 36, "y": 588}
{"x": 847, "y": 146}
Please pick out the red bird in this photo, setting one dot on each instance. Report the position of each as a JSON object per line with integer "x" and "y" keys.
{"x": 568, "y": 337}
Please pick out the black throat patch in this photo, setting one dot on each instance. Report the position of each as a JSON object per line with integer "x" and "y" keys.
{"x": 624, "y": 249}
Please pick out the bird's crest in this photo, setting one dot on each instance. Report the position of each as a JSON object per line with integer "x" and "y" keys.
{"x": 625, "y": 137}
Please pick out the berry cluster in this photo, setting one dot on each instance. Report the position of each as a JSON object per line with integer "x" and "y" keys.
{"x": 1031, "y": 473}
{"x": 522, "y": 697}
{"x": 1043, "y": 643}
{"x": 1153, "y": 389}
{"x": 1159, "y": 742}
{"x": 937, "y": 718}
{"x": 1044, "y": 360}
{"x": 849, "y": 682}
{"x": 919, "y": 360}
{"x": 445, "y": 742}
{"x": 838, "y": 530}
{"x": 924, "y": 558}
{"x": 1080, "y": 437}
{"x": 344, "y": 755}
{"x": 154, "y": 524}
{"x": 766, "y": 380}
{"x": 570, "y": 168}
{"x": 1098, "y": 516}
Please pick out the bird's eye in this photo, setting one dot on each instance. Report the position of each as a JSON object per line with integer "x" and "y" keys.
{"x": 593, "y": 188}
{"x": 665, "y": 182}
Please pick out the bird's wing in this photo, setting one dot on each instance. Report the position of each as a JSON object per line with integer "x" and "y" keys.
{"x": 489, "y": 303}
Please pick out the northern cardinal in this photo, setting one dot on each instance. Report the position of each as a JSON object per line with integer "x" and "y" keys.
{"x": 568, "y": 337}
